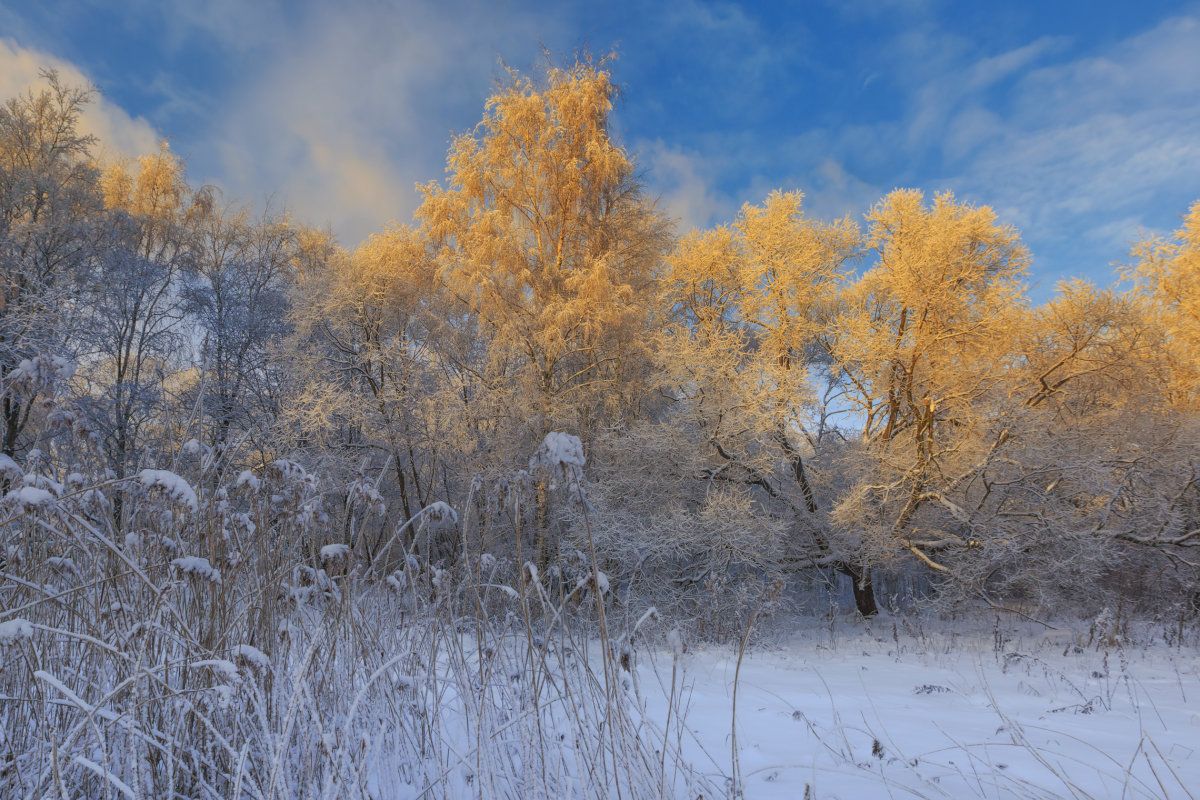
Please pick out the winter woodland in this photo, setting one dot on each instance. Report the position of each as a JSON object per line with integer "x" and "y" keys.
{"x": 537, "y": 497}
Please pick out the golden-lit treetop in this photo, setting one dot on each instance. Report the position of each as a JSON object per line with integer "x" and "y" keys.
{"x": 156, "y": 196}
{"x": 747, "y": 297}
{"x": 1082, "y": 347}
{"x": 1167, "y": 278}
{"x": 544, "y": 235}
{"x": 155, "y": 188}
{"x": 390, "y": 269}
{"x": 790, "y": 265}
{"x": 701, "y": 281}
{"x": 931, "y": 323}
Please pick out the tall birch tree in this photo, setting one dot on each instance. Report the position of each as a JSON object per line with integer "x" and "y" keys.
{"x": 547, "y": 246}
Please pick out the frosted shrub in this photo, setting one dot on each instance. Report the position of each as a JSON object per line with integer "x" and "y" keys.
{"x": 334, "y": 553}
{"x": 14, "y": 631}
{"x": 198, "y": 567}
{"x": 709, "y": 565}
{"x": 29, "y": 498}
{"x": 10, "y": 471}
{"x": 247, "y": 480}
{"x": 293, "y": 493}
{"x": 40, "y": 375}
{"x": 309, "y": 585}
{"x": 362, "y": 493}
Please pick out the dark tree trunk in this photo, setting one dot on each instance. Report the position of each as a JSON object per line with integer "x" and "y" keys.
{"x": 863, "y": 587}
{"x": 403, "y": 484}
{"x": 12, "y": 426}
{"x": 860, "y": 576}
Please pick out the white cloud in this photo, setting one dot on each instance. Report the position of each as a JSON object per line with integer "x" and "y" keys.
{"x": 968, "y": 130}
{"x": 704, "y": 189}
{"x": 338, "y": 111}
{"x": 873, "y": 9}
{"x": 1150, "y": 68}
{"x": 835, "y": 192}
{"x": 119, "y": 134}
{"x": 684, "y": 184}
{"x": 332, "y": 111}
{"x": 236, "y": 25}
{"x": 1082, "y": 154}
{"x": 988, "y": 71}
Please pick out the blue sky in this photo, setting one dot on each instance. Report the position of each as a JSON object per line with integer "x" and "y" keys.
{"x": 1079, "y": 122}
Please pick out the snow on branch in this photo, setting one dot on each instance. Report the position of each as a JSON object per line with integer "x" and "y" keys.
{"x": 28, "y": 498}
{"x": 172, "y": 485}
{"x": 558, "y": 451}
{"x": 14, "y": 630}
{"x": 560, "y": 456}
{"x": 199, "y": 567}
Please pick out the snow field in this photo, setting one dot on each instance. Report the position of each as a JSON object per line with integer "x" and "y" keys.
{"x": 866, "y": 714}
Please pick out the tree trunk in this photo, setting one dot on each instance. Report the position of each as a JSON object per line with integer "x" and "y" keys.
{"x": 403, "y": 484}
{"x": 863, "y": 587}
{"x": 541, "y": 550}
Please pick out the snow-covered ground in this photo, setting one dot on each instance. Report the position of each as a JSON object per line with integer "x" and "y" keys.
{"x": 886, "y": 710}
{"x": 391, "y": 692}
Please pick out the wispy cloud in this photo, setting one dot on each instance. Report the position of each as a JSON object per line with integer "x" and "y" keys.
{"x": 684, "y": 184}
{"x": 1084, "y": 149}
{"x": 357, "y": 105}
{"x": 337, "y": 111}
{"x": 334, "y": 112}
{"x": 1100, "y": 148}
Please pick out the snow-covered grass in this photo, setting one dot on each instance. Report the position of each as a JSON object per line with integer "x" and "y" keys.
{"x": 211, "y": 652}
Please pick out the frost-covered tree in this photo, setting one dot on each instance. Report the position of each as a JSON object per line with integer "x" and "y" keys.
{"x": 743, "y": 416}
{"x": 918, "y": 345}
{"x": 49, "y": 228}
{"x": 913, "y": 351}
{"x": 371, "y": 382}
{"x": 1045, "y": 456}
{"x": 236, "y": 297}
{"x": 131, "y": 336}
{"x": 1167, "y": 277}
{"x": 547, "y": 246}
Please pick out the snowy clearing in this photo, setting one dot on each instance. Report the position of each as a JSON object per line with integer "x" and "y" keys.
{"x": 881, "y": 712}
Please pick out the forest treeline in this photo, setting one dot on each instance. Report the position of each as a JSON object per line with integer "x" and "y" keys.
{"x": 775, "y": 396}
